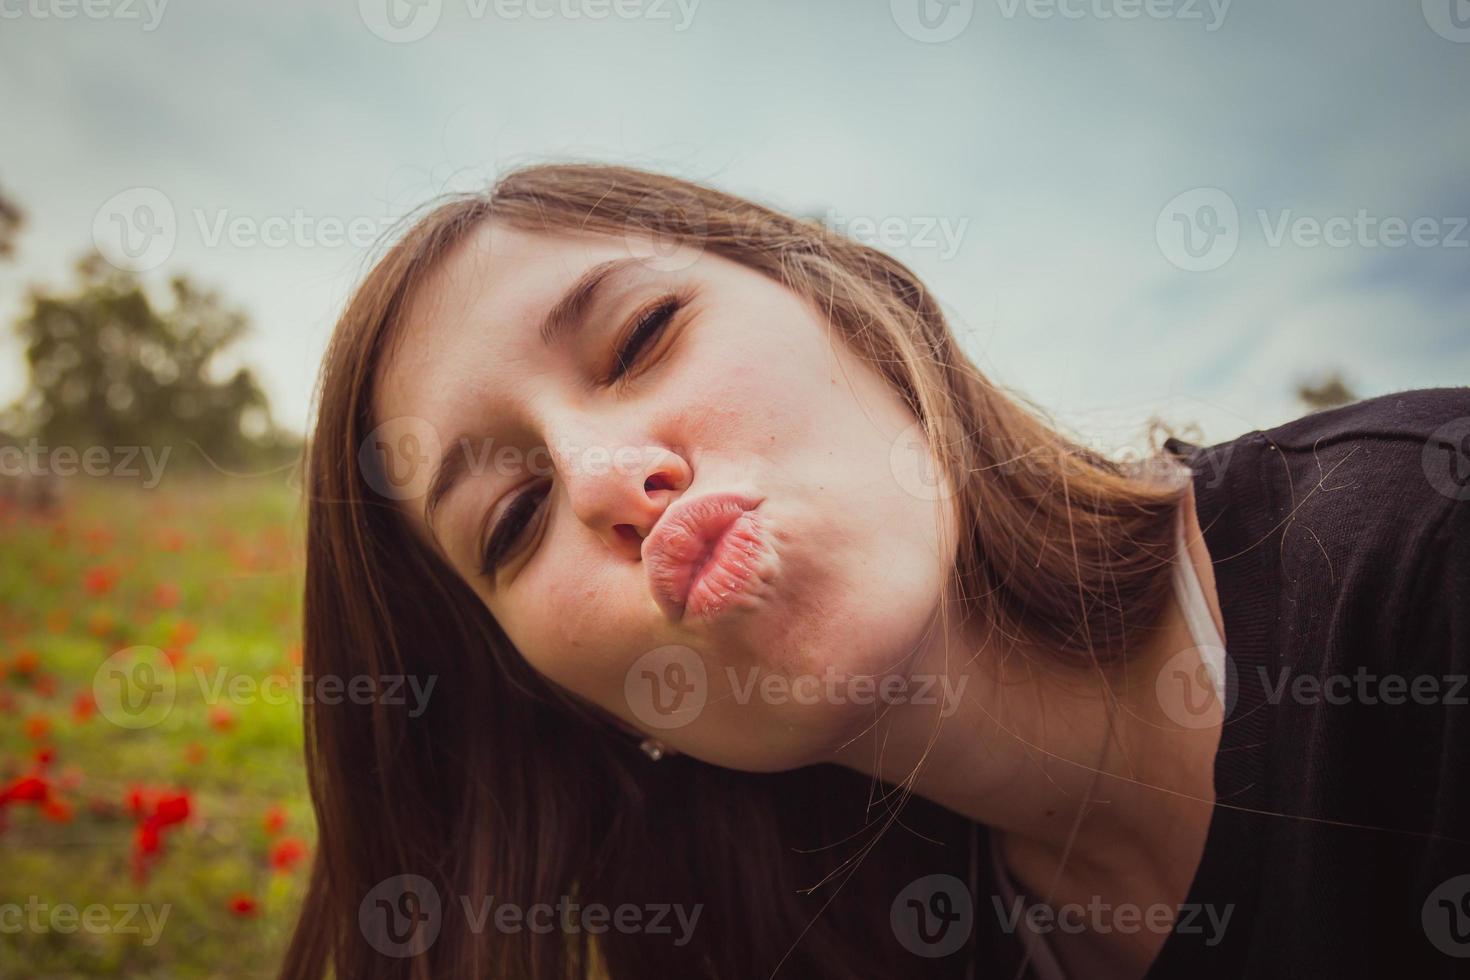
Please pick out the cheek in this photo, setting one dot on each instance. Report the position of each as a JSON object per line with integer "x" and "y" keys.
{"x": 768, "y": 392}
{"x": 547, "y": 623}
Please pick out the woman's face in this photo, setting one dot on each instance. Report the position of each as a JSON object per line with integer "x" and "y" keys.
{"x": 737, "y": 387}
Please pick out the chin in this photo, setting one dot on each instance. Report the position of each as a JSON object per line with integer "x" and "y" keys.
{"x": 775, "y": 748}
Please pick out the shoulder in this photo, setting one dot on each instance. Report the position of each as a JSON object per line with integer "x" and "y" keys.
{"x": 1387, "y": 473}
{"x": 1343, "y": 521}
{"x": 1399, "y": 462}
{"x": 1414, "y": 415}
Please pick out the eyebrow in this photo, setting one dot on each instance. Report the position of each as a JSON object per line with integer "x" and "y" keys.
{"x": 568, "y": 314}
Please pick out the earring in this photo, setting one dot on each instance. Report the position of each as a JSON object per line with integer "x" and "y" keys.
{"x": 652, "y": 748}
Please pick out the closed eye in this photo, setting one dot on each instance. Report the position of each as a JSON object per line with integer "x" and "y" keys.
{"x": 511, "y": 528}
{"x": 646, "y": 327}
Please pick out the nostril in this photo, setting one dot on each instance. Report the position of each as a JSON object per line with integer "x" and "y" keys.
{"x": 658, "y": 481}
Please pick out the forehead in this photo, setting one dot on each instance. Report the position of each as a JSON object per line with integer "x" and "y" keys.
{"x": 475, "y": 313}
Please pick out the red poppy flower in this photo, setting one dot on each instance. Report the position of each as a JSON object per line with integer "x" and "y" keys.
{"x": 147, "y": 841}
{"x": 287, "y": 853}
{"x": 37, "y": 727}
{"x": 274, "y": 820}
{"x": 57, "y": 810}
{"x": 221, "y": 718}
{"x": 243, "y": 905}
{"x": 171, "y": 809}
{"x": 26, "y": 789}
{"x": 166, "y": 595}
{"x": 83, "y": 706}
{"x": 164, "y": 811}
{"x": 100, "y": 579}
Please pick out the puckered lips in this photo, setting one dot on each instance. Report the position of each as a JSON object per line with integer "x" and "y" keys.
{"x": 701, "y": 553}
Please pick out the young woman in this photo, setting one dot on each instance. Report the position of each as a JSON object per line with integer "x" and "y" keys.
{"x": 758, "y": 634}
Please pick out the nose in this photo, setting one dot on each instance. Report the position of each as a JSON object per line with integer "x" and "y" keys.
{"x": 619, "y": 492}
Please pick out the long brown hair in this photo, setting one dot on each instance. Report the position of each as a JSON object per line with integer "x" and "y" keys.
{"x": 505, "y": 787}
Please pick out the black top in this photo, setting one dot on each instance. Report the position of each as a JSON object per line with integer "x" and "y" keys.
{"x": 1340, "y": 840}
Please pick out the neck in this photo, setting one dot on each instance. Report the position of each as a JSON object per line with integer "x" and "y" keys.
{"x": 1050, "y": 756}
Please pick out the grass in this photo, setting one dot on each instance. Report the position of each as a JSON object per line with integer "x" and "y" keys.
{"x": 199, "y": 582}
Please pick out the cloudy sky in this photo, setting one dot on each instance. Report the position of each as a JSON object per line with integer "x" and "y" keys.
{"x": 1129, "y": 207}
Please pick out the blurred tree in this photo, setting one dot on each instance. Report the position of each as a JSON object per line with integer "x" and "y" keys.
{"x": 107, "y": 368}
{"x": 11, "y": 218}
{"x": 1329, "y": 392}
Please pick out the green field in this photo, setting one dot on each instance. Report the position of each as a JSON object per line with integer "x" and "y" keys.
{"x": 200, "y": 584}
